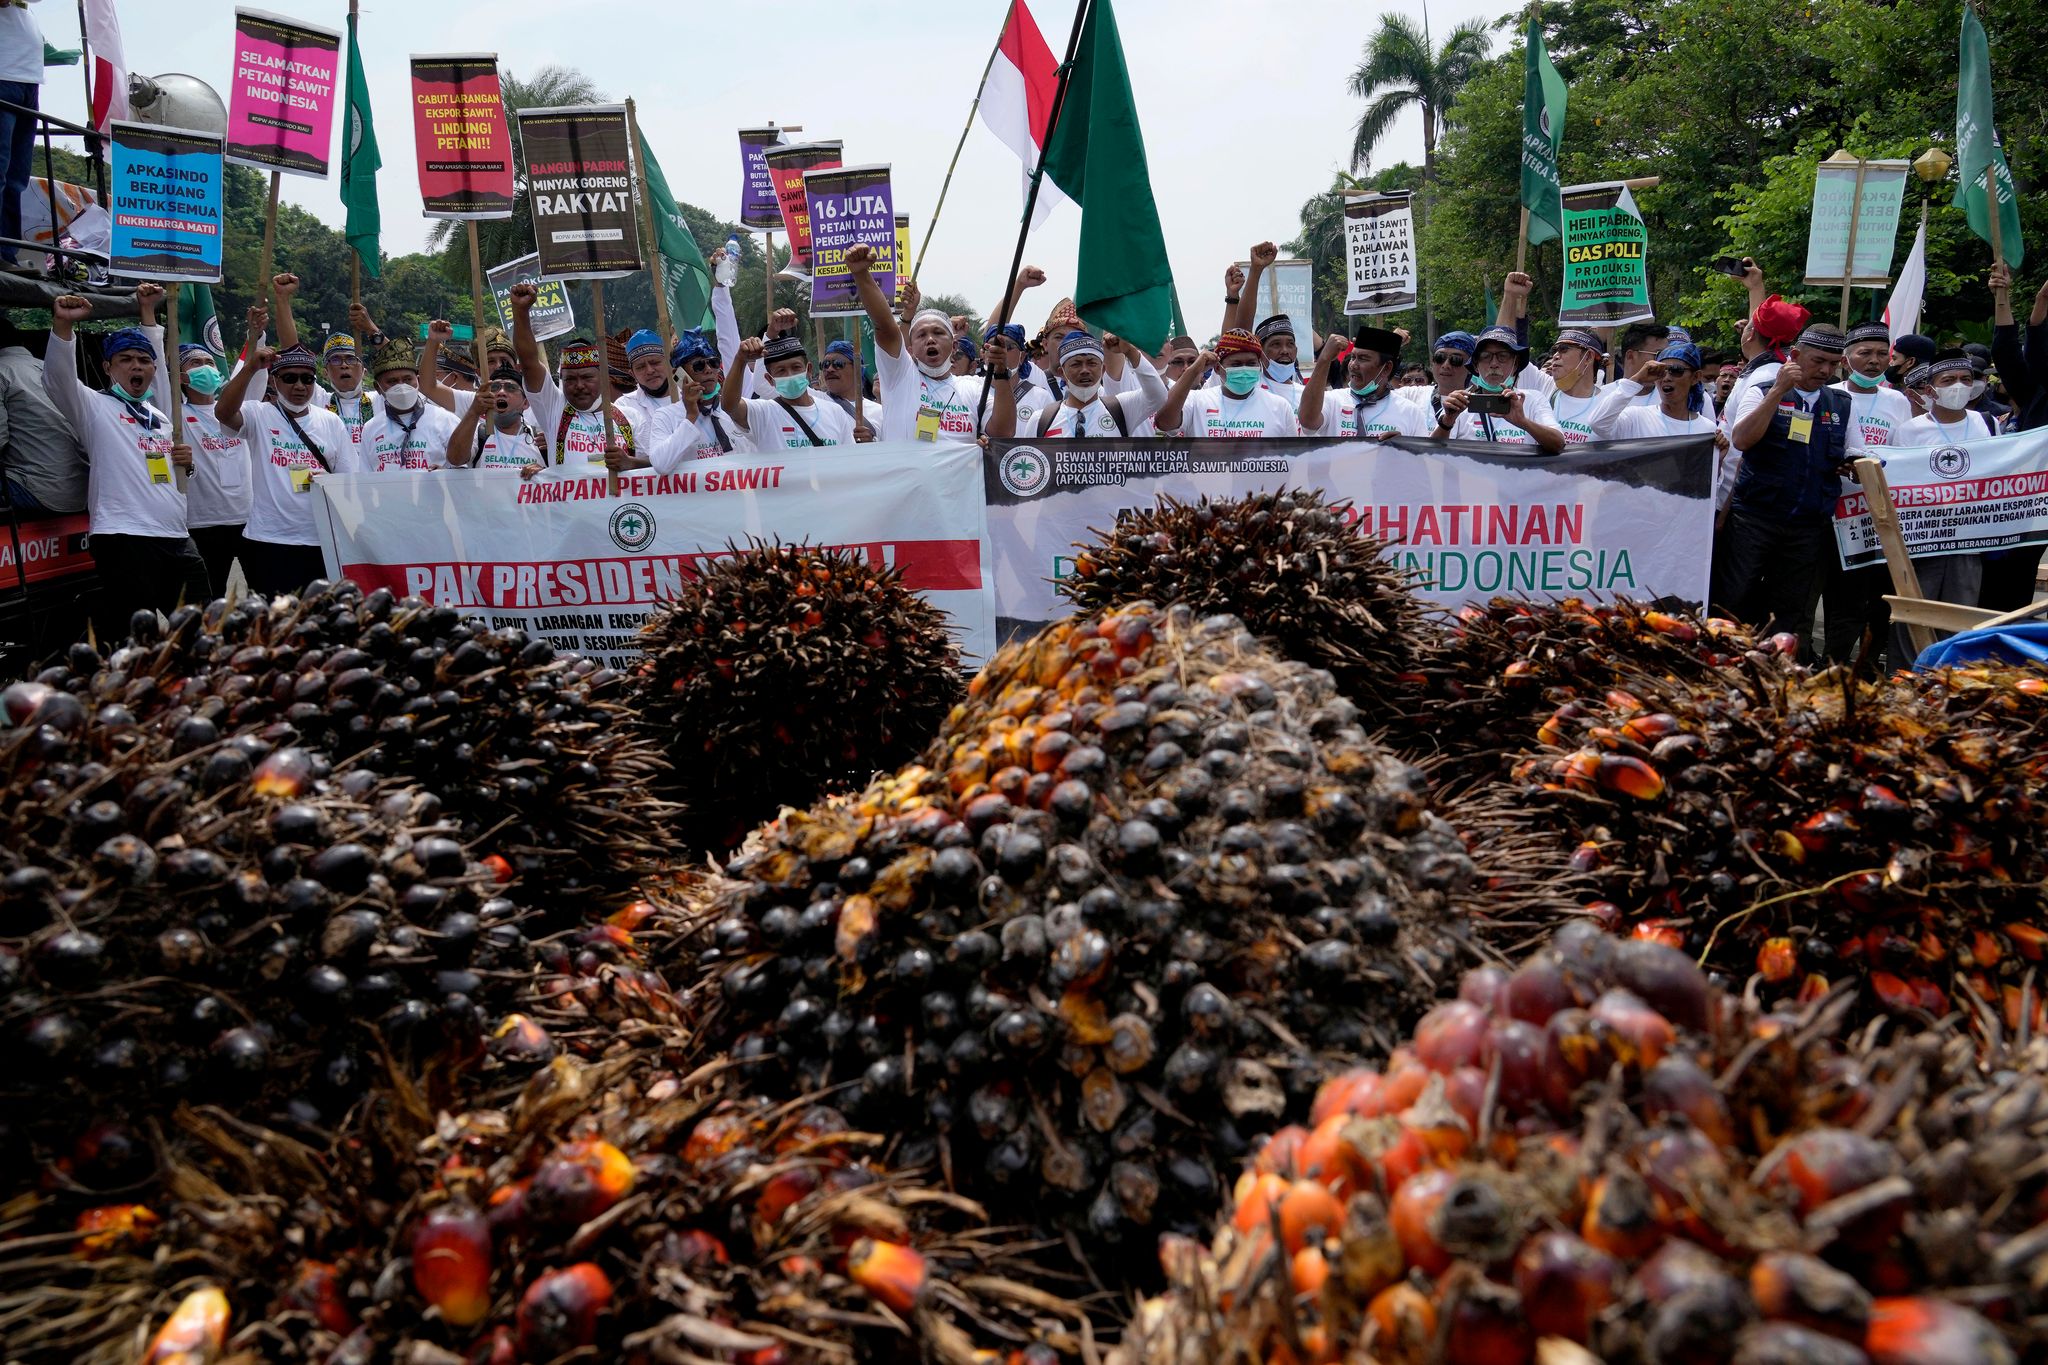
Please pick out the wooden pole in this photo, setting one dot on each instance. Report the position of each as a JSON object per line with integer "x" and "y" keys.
{"x": 268, "y": 266}
{"x": 1884, "y": 518}
{"x": 662, "y": 322}
{"x": 476, "y": 307}
{"x": 175, "y": 381}
{"x": 1849, "y": 251}
{"x": 767, "y": 277}
{"x": 1991, "y": 200}
{"x": 604, "y": 383}
{"x": 1522, "y": 259}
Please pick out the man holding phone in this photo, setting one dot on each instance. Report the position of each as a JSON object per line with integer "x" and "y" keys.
{"x": 1489, "y": 409}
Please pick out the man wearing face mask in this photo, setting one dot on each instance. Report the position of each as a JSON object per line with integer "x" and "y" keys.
{"x": 1280, "y": 374}
{"x": 1575, "y": 369}
{"x": 922, "y": 399}
{"x": 410, "y": 433}
{"x": 1524, "y": 417}
{"x": 793, "y": 419}
{"x": 291, "y": 443}
{"x": 347, "y": 399}
{"x": 1854, "y": 598}
{"x": 1365, "y": 407}
{"x": 495, "y": 434}
{"x": 2023, "y": 370}
{"x": 570, "y": 414}
{"x": 1237, "y": 407}
{"x": 1949, "y": 421}
{"x": 217, "y": 494}
{"x": 138, "y": 537}
{"x": 1450, "y": 364}
{"x": 1772, "y": 556}
{"x": 1087, "y": 410}
{"x": 694, "y": 427}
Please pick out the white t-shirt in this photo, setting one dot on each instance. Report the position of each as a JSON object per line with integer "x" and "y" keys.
{"x": 131, "y": 487}
{"x": 391, "y": 441}
{"x": 870, "y": 410}
{"x": 283, "y": 470}
{"x": 21, "y": 49}
{"x": 512, "y": 450}
{"x": 1621, "y": 416}
{"x": 1473, "y": 426}
{"x": 1092, "y": 421}
{"x": 770, "y": 426}
{"x": 1876, "y": 416}
{"x": 1931, "y": 431}
{"x": 906, "y": 393}
{"x": 674, "y": 438}
{"x": 581, "y": 442}
{"x": 355, "y": 412}
{"x": 1572, "y": 415}
{"x": 1213, "y": 413}
{"x": 1647, "y": 398}
{"x": 641, "y": 407}
{"x": 1342, "y": 413}
{"x": 1034, "y": 392}
{"x": 217, "y": 494}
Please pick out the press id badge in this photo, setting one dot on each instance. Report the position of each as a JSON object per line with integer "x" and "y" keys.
{"x": 159, "y": 468}
{"x": 302, "y": 479}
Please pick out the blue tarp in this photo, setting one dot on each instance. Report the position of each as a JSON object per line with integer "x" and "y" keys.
{"x": 2013, "y": 644}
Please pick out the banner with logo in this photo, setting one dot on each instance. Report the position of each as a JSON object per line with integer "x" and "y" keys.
{"x": 1989, "y": 494}
{"x": 165, "y": 184}
{"x": 1606, "y": 273}
{"x": 848, "y": 206}
{"x": 1633, "y": 518}
{"x": 552, "y": 314}
{"x": 1874, "y": 205}
{"x": 786, "y": 167}
{"x": 1379, "y": 252}
{"x": 282, "y": 100}
{"x": 460, "y": 138}
{"x": 562, "y": 559}
{"x": 759, "y": 208}
{"x": 579, "y": 181}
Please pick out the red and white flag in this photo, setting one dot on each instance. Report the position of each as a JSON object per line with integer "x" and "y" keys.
{"x": 1016, "y": 99}
{"x": 1902, "y": 309}
{"x": 109, "y": 64}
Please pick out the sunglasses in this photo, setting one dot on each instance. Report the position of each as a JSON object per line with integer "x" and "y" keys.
{"x": 832, "y": 364}
{"x": 1451, "y": 358}
{"x": 700, "y": 365}
{"x": 294, "y": 377}
{"x": 504, "y": 386}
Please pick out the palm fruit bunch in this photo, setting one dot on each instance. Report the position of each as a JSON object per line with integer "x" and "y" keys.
{"x": 1602, "y": 1158}
{"x": 618, "y": 1208}
{"x": 529, "y": 752}
{"x": 1145, "y": 886}
{"x": 785, "y": 673}
{"x": 1504, "y": 669}
{"x": 1806, "y": 828}
{"x": 1288, "y": 564}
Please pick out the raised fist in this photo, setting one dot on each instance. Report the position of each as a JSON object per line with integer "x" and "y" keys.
{"x": 441, "y": 331}
{"x": 285, "y": 285}
{"x": 524, "y": 295}
{"x": 860, "y": 258}
{"x": 1264, "y": 254}
{"x": 751, "y": 349}
{"x": 71, "y": 308}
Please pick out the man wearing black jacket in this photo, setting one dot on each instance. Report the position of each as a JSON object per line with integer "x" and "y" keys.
{"x": 2009, "y": 574}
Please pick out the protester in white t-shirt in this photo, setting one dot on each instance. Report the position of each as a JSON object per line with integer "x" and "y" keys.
{"x": 1005, "y": 347}
{"x": 922, "y": 399}
{"x": 344, "y": 395}
{"x": 137, "y": 532}
{"x": 1279, "y": 374}
{"x": 410, "y": 433}
{"x": 1450, "y": 368}
{"x": 217, "y": 493}
{"x": 1365, "y": 406}
{"x": 694, "y": 427}
{"x": 1948, "y": 421}
{"x": 647, "y": 360}
{"x": 571, "y": 414}
{"x": 1087, "y": 411}
{"x": 1673, "y": 381}
{"x": 1574, "y": 369}
{"x": 291, "y": 443}
{"x": 1525, "y": 418}
{"x": 793, "y": 419}
{"x": 1877, "y": 411}
{"x": 1237, "y": 407}
{"x": 495, "y": 435}
{"x": 841, "y": 378}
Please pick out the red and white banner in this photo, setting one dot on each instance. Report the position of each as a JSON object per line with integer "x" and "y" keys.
{"x": 109, "y": 63}
{"x": 1961, "y": 498}
{"x": 562, "y": 559}
{"x": 1016, "y": 99}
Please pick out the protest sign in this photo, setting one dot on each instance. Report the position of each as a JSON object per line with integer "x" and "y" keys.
{"x": 903, "y": 261}
{"x": 1631, "y": 518}
{"x": 559, "y": 558}
{"x": 579, "y": 181}
{"x": 848, "y": 206}
{"x": 759, "y": 208}
{"x": 460, "y": 137}
{"x": 552, "y": 314}
{"x": 1379, "y": 251}
{"x": 1987, "y": 494}
{"x": 282, "y": 101}
{"x": 1876, "y": 206}
{"x": 1287, "y": 287}
{"x": 786, "y": 166}
{"x": 165, "y": 184}
{"x": 1606, "y": 279}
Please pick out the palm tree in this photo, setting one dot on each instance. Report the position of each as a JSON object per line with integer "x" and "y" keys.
{"x": 1402, "y": 68}
{"x": 505, "y": 239}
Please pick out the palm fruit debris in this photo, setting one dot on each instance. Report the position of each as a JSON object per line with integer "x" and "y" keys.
{"x": 1287, "y": 563}
{"x": 1600, "y": 1158}
{"x": 785, "y": 673}
{"x": 1147, "y": 886}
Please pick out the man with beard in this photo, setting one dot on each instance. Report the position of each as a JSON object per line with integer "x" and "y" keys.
{"x": 410, "y": 432}
{"x": 508, "y": 442}
{"x": 570, "y": 414}
{"x": 922, "y": 399}
{"x": 291, "y": 443}
{"x": 1365, "y": 406}
{"x": 1526, "y": 418}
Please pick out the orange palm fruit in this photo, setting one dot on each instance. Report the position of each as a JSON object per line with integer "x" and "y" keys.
{"x": 558, "y": 1312}
{"x": 1928, "y": 1331}
{"x": 451, "y": 1263}
{"x": 893, "y": 1273}
{"x": 1413, "y": 1215}
{"x": 1308, "y": 1214}
{"x": 194, "y": 1333}
{"x": 110, "y": 1228}
{"x": 1791, "y": 1286}
{"x": 1564, "y": 1282}
{"x": 1403, "y": 1321}
{"x": 1621, "y": 1217}
{"x": 579, "y": 1180}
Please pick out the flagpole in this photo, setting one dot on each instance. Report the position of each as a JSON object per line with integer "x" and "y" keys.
{"x": 269, "y": 262}
{"x": 85, "y": 74}
{"x": 1849, "y": 249}
{"x": 476, "y": 301}
{"x": 604, "y": 382}
{"x": 176, "y": 379}
{"x": 767, "y": 277}
{"x": 355, "y": 260}
{"x": 965, "y": 129}
{"x": 654, "y": 271}
{"x": 1990, "y": 167}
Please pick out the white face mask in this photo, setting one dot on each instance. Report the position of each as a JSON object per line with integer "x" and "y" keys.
{"x": 404, "y": 397}
{"x": 1083, "y": 393}
{"x": 1954, "y": 397}
{"x": 1977, "y": 387}
{"x": 1281, "y": 374}
{"x": 935, "y": 371}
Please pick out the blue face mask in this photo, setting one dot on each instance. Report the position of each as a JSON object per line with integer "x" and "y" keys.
{"x": 1866, "y": 382}
{"x": 205, "y": 380}
{"x": 1281, "y": 374}
{"x": 793, "y": 386}
{"x": 1240, "y": 380}
{"x": 1365, "y": 395}
{"x": 711, "y": 389}
{"x": 1480, "y": 385}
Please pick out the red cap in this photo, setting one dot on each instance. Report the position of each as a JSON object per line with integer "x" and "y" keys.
{"x": 1780, "y": 322}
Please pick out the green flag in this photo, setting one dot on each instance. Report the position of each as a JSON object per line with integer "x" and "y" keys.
{"x": 1977, "y": 140}
{"x": 1542, "y": 134}
{"x": 360, "y": 162}
{"x": 61, "y": 56}
{"x": 1179, "y": 324}
{"x": 1096, "y": 154}
{"x": 681, "y": 267}
{"x": 197, "y": 323}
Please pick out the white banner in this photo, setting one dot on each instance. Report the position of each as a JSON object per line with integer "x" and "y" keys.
{"x": 1288, "y": 286}
{"x": 1954, "y": 499}
{"x": 1622, "y": 518}
{"x": 563, "y": 560}
{"x": 1379, "y": 251}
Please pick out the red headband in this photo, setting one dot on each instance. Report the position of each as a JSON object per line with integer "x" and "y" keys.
{"x": 1238, "y": 341}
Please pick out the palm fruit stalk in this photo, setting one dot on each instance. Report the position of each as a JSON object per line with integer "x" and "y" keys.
{"x": 1287, "y": 563}
{"x": 785, "y": 673}
{"x": 1809, "y": 829}
{"x": 529, "y": 751}
{"x": 1145, "y": 888}
{"x": 1602, "y": 1158}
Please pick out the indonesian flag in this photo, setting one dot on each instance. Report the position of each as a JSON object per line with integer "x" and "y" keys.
{"x": 109, "y": 65}
{"x": 1902, "y": 309}
{"x": 1016, "y": 99}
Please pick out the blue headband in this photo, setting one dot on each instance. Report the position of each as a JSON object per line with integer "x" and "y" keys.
{"x": 691, "y": 344}
{"x": 1014, "y": 331}
{"x": 642, "y": 342}
{"x": 1079, "y": 343}
{"x": 191, "y": 348}
{"x": 1457, "y": 341}
{"x": 1686, "y": 354}
{"x": 127, "y": 339}
{"x": 965, "y": 346}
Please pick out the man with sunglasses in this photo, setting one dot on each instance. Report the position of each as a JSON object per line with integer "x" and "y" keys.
{"x": 292, "y": 441}
{"x": 1508, "y": 414}
{"x": 694, "y": 427}
{"x": 839, "y": 373}
{"x": 571, "y": 414}
{"x": 1450, "y": 366}
{"x": 508, "y": 442}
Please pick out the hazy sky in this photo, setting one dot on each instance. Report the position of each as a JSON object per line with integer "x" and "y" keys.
{"x": 1244, "y": 105}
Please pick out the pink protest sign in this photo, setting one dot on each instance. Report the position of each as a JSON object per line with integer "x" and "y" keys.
{"x": 281, "y": 103}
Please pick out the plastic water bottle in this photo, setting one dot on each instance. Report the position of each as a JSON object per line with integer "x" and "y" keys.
{"x": 729, "y": 268}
